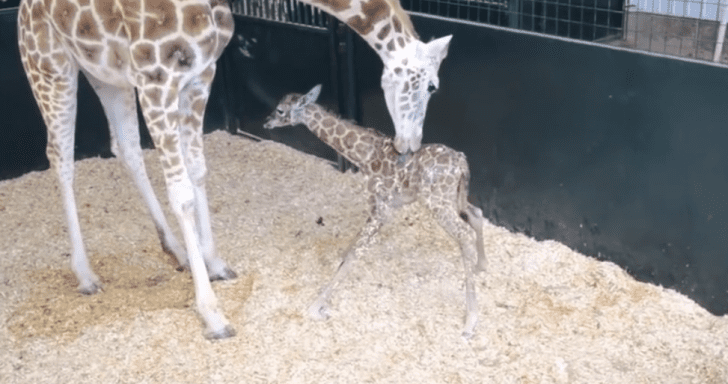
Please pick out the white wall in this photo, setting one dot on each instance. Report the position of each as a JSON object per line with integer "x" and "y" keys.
{"x": 701, "y": 9}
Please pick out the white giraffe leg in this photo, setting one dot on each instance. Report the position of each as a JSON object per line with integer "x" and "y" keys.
{"x": 120, "y": 108}
{"x": 474, "y": 214}
{"x": 447, "y": 216}
{"x": 196, "y": 93}
{"x": 381, "y": 210}
{"x": 164, "y": 129}
{"x": 59, "y": 85}
{"x": 217, "y": 268}
{"x": 62, "y": 139}
{"x": 207, "y": 306}
{"x": 319, "y": 308}
{"x": 476, "y": 220}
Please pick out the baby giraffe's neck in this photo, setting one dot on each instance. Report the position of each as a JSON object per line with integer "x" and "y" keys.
{"x": 359, "y": 145}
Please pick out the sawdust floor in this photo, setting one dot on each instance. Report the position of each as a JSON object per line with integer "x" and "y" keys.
{"x": 281, "y": 219}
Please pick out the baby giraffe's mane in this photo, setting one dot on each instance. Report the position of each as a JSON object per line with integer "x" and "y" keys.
{"x": 351, "y": 123}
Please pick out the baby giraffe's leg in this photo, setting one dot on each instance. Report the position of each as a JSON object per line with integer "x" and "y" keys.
{"x": 447, "y": 216}
{"x": 380, "y": 211}
{"x": 476, "y": 220}
{"x": 474, "y": 214}
{"x": 318, "y": 310}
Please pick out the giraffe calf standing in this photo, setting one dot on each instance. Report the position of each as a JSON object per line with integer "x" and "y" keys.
{"x": 436, "y": 175}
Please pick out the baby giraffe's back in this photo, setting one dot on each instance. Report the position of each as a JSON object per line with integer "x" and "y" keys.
{"x": 435, "y": 172}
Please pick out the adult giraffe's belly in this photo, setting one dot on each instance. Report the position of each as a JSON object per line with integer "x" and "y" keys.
{"x": 111, "y": 64}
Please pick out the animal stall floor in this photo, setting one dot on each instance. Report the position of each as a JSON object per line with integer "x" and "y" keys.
{"x": 281, "y": 219}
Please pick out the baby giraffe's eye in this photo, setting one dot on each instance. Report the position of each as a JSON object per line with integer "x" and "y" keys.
{"x": 279, "y": 111}
{"x": 431, "y": 88}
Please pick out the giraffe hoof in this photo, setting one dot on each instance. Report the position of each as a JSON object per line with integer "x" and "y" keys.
{"x": 470, "y": 322}
{"x": 225, "y": 274}
{"x": 183, "y": 267}
{"x": 479, "y": 268}
{"x": 91, "y": 288}
{"x": 318, "y": 311}
{"x": 224, "y": 333}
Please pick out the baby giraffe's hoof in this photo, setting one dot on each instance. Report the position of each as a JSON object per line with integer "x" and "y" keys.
{"x": 470, "y": 322}
{"x": 318, "y": 311}
{"x": 480, "y": 267}
{"x": 224, "y": 333}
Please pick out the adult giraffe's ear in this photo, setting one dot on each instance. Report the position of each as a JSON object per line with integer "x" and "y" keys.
{"x": 312, "y": 95}
{"x": 437, "y": 49}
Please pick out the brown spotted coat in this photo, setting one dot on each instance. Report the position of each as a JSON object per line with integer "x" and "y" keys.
{"x": 164, "y": 50}
{"x": 436, "y": 175}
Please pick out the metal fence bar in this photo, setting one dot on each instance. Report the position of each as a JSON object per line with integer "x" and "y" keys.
{"x": 282, "y": 11}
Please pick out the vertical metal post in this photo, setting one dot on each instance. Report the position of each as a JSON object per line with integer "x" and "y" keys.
{"x": 232, "y": 123}
{"x": 348, "y": 81}
{"x": 343, "y": 78}
{"x": 514, "y": 13}
{"x": 723, "y": 15}
{"x": 333, "y": 25}
{"x": 626, "y": 7}
{"x": 347, "y": 96}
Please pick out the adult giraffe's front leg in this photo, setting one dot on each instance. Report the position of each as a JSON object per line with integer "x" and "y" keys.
{"x": 162, "y": 114}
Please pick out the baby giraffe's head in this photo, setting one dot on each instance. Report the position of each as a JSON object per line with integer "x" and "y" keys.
{"x": 290, "y": 111}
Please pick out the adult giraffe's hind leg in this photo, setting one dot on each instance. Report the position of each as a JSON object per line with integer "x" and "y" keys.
{"x": 193, "y": 100}
{"x": 120, "y": 108}
{"x": 55, "y": 84}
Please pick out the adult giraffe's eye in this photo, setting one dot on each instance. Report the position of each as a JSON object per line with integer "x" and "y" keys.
{"x": 431, "y": 88}
{"x": 279, "y": 111}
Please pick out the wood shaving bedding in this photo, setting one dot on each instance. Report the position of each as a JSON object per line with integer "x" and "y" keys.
{"x": 281, "y": 219}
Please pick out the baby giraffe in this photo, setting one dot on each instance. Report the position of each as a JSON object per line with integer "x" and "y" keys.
{"x": 436, "y": 175}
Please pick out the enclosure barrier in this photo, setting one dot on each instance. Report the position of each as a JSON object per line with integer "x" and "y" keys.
{"x": 283, "y": 11}
{"x": 684, "y": 28}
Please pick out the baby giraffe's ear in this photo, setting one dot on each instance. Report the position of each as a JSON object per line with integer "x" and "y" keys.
{"x": 312, "y": 95}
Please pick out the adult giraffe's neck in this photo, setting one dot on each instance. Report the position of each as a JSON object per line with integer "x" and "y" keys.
{"x": 348, "y": 139}
{"x": 383, "y": 24}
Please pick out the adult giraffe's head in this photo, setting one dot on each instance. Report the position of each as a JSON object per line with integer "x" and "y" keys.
{"x": 409, "y": 79}
{"x": 410, "y": 66}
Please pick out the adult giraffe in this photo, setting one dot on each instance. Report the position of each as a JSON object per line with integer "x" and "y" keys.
{"x": 166, "y": 50}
